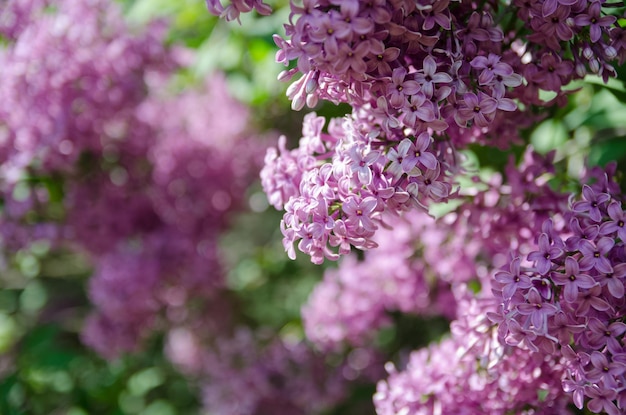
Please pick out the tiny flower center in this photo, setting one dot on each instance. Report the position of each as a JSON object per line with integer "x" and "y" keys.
{"x": 596, "y": 254}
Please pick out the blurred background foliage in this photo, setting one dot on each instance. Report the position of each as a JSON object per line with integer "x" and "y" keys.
{"x": 44, "y": 368}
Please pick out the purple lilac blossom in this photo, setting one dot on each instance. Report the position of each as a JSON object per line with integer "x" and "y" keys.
{"x": 84, "y": 108}
{"x": 472, "y": 372}
{"x": 578, "y": 320}
{"x": 436, "y": 68}
{"x": 419, "y": 260}
{"x": 338, "y": 185}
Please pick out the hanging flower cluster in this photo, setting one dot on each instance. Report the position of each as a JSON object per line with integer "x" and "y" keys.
{"x": 424, "y": 79}
{"x": 337, "y": 186}
{"x": 566, "y": 297}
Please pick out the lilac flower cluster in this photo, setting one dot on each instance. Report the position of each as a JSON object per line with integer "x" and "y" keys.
{"x": 416, "y": 263}
{"x": 424, "y": 80}
{"x": 455, "y": 64}
{"x": 87, "y": 132}
{"x": 566, "y": 297}
{"x": 70, "y": 89}
{"x": 173, "y": 216}
{"x": 418, "y": 260}
{"x": 336, "y": 187}
{"x": 473, "y": 373}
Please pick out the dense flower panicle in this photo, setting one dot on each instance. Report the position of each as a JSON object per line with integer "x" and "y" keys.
{"x": 203, "y": 158}
{"x": 338, "y": 186}
{"x": 569, "y": 299}
{"x": 416, "y": 262}
{"x": 475, "y": 371}
{"x": 110, "y": 338}
{"x": 437, "y": 70}
{"x": 175, "y": 209}
{"x": 88, "y": 132}
{"x": 82, "y": 95}
{"x": 472, "y": 372}
{"x": 419, "y": 260}
{"x": 442, "y": 51}
{"x": 16, "y": 16}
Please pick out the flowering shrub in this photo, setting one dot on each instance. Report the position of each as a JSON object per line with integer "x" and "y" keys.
{"x": 102, "y": 158}
{"x": 429, "y": 188}
{"x": 542, "y": 326}
{"x": 424, "y": 80}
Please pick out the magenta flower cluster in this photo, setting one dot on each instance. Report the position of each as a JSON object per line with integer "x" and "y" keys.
{"x": 424, "y": 79}
{"x": 471, "y": 372}
{"x": 566, "y": 297}
{"x": 496, "y": 360}
{"x": 337, "y": 186}
{"x": 412, "y": 270}
{"x": 144, "y": 181}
